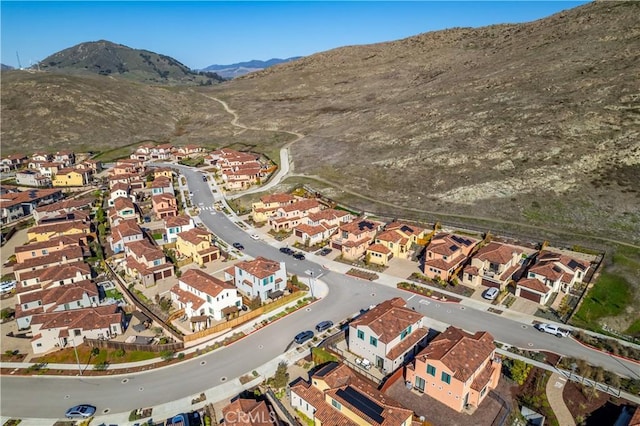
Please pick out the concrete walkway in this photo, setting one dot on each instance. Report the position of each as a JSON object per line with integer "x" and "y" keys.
{"x": 555, "y": 386}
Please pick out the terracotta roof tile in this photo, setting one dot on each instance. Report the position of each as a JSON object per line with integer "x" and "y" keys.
{"x": 388, "y": 319}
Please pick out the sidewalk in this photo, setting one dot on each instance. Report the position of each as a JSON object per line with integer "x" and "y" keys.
{"x": 555, "y": 386}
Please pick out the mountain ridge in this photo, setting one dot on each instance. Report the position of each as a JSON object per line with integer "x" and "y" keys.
{"x": 242, "y": 68}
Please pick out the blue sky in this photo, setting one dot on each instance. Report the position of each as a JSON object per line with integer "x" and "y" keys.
{"x": 202, "y": 33}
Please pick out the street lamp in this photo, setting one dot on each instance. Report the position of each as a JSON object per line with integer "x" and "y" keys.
{"x": 311, "y": 284}
{"x": 73, "y": 341}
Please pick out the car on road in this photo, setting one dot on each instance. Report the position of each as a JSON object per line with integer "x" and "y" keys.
{"x": 299, "y": 255}
{"x": 238, "y": 246}
{"x": 255, "y": 236}
{"x": 82, "y": 411}
{"x": 325, "y": 251}
{"x": 552, "y": 329}
{"x": 204, "y": 178}
{"x": 324, "y": 325}
{"x": 303, "y": 336}
{"x": 491, "y": 293}
{"x": 286, "y": 250}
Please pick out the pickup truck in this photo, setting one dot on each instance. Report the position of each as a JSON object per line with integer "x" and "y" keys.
{"x": 552, "y": 329}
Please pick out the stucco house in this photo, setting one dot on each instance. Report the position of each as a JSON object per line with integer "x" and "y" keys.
{"x": 57, "y": 229}
{"x": 249, "y": 412}
{"x": 120, "y": 189}
{"x": 124, "y": 233}
{"x": 197, "y": 244}
{"x": 378, "y": 254}
{"x": 44, "y": 248}
{"x": 53, "y": 276}
{"x": 205, "y": 298}
{"x": 164, "y": 205}
{"x": 457, "y": 369}
{"x": 445, "y": 253}
{"x": 336, "y": 395}
{"x": 353, "y": 238}
{"x": 291, "y": 215}
{"x": 123, "y": 209}
{"x": 72, "y": 177}
{"x": 32, "y": 178}
{"x": 146, "y": 262}
{"x": 261, "y": 277}
{"x": 162, "y": 185}
{"x": 174, "y": 225}
{"x": 399, "y": 237}
{"x": 388, "y": 335}
{"x": 69, "y": 328}
{"x": 493, "y": 265}
{"x": 262, "y": 210}
{"x": 320, "y": 226}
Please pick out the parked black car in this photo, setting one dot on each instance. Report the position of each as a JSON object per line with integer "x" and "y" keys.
{"x": 325, "y": 251}
{"x": 238, "y": 246}
{"x": 286, "y": 250}
{"x": 303, "y": 336}
{"x": 299, "y": 256}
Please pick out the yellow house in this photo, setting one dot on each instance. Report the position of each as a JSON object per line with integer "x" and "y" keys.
{"x": 52, "y": 230}
{"x": 262, "y": 210}
{"x": 196, "y": 243}
{"x": 162, "y": 171}
{"x": 379, "y": 254}
{"x": 71, "y": 177}
{"x": 398, "y": 237}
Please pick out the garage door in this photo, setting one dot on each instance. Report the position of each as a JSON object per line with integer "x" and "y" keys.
{"x": 529, "y": 295}
{"x": 488, "y": 283}
{"x": 298, "y": 233}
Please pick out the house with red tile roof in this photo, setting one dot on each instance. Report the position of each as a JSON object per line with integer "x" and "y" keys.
{"x": 353, "y": 238}
{"x": 73, "y": 253}
{"x": 205, "y": 298}
{"x": 68, "y": 158}
{"x": 445, "y": 253}
{"x": 142, "y": 152}
{"x": 120, "y": 189}
{"x": 494, "y": 265}
{"x": 174, "y": 225}
{"x": 81, "y": 294}
{"x": 69, "y": 328}
{"x": 53, "y": 276}
{"x": 388, "y": 335}
{"x": 287, "y": 217}
{"x": 457, "y": 369}
{"x": 261, "y": 277}
{"x": 123, "y": 209}
{"x": 197, "y": 244}
{"x": 146, "y": 262}
{"x": 336, "y": 395}
{"x": 16, "y": 204}
{"x": 161, "y": 152}
{"x": 164, "y": 205}
{"x": 58, "y": 229}
{"x": 162, "y": 185}
{"x": 268, "y": 204}
{"x": 399, "y": 237}
{"x": 551, "y": 272}
{"x": 13, "y": 162}
{"x": 321, "y": 225}
{"x": 61, "y": 210}
{"x": 378, "y": 254}
{"x": 72, "y": 176}
{"x": 165, "y": 172}
{"x": 32, "y": 178}
{"x": 44, "y": 248}
{"x": 249, "y": 412}
{"x": 125, "y": 232}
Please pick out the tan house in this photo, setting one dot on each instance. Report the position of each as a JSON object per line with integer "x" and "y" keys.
{"x": 58, "y": 229}
{"x": 445, "y": 253}
{"x": 262, "y": 210}
{"x": 337, "y": 396}
{"x": 378, "y": 254}
{"x": 249, "y": 412}
{"x": 291, "y": 215}
{"x": 197, "y": 244}
{"x": 320, "y": 226}
{"x": 162, "y": 185}
{"x": 46, "y": 247}
{"x": 553, "y": 272}
{"x": 398, "y": 237}
{"x": 388, "y": 335}
{"x": 457, "y": 369}
{"x": 164, "y": 205}
{"x": 53, "y": 276}
{"x": 165, "y": 172}
{"x": 353, "y": 238}
{"x": 146, "y": 262}
{"x": 493, "y": 265}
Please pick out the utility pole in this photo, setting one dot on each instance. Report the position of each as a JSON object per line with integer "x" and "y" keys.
{"x": 73, "y": 340}
{"x": 19, "y": 64}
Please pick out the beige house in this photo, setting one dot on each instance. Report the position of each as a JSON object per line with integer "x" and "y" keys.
{"x": 398, "y": 237}
{"x": 291, "y": 215}
{"x": 320, "y": 226}
{"x": 493, "y": 265}
{"x": 445, "y": 253}
{"x": 353, "y": 238}
{"x": 197, "y": 244}
{"x": 262, "y": 210}
{"x": 146, "y": 262}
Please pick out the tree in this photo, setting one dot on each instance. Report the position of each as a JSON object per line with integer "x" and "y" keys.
{"x": 281, "y": 377}
{"x": 519, "y": 371}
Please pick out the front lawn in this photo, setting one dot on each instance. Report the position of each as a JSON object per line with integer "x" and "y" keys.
{"x": 67, "y": 356}
{"x": 608, "y": 297}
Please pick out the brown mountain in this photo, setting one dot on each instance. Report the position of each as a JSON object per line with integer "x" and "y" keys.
{"x": 535, "y": 122}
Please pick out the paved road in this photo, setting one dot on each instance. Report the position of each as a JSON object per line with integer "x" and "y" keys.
{"x": 346, "y": 297}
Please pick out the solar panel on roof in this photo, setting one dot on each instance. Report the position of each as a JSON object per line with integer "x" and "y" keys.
{"x": 405, "y": 228}
{"x": 573, "y": 264}
{"x": 362, "y": 403}
{"x": 453, "y": 247}
{"x": 461, "y": 240}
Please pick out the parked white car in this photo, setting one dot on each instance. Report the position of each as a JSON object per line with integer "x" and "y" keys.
{"x": 552, "y": 329}
{"x": 7, "y": 286}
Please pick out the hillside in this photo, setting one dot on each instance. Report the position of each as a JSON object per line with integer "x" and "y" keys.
{"x": 116, "y": 60}
{"x": 242, "y": 68}
{"x": 536, "y": 122}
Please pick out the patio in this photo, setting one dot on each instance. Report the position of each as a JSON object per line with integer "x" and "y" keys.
{"x": 362, "y": 366}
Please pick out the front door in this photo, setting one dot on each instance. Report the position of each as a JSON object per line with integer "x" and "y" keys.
{"x": 379, "y": 362}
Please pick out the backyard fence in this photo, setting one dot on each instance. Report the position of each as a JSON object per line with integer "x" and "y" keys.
{"x": 127, "y": 347}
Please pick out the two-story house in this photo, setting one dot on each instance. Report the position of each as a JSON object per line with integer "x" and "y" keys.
{"x": 64, "y": 210}
{"x": 53, "y": 276}
{"x": 262, "y": 210}
{"x": 68, "y": 158}
{"x": 57, "y": 229}
{"x": 551, "y": 272}
{"x": 456, "y": 368}
{"x": 146, "y": 262}
{"x": 44, "y": 248}
{"x": 120, "y": 189}
{"x": 320, "y": 226}
{"x": 162, "y": 185}
{"x": 249, "y": 412}
{"x": 493, "y": 265}
{"x": 399, "y": 237}
{"x": 13, "y": 162}
{"x": 161, "y": 152}
{"x": 388, "y": 335}
{"x": 445, "y": 253}
{"x": 123, "y": 209}
{"x": 201, "y": 295}
{"x": 197, "y": 244}
{"x": 291, "y": 215}
{"x": 174, "y": 225}
{"x": 125, "y": 232}
{"x": 32, "y": 178}
{"x": 165, "y": 172}
{"x": 69, "y": 328}
{"x": 261, "y": 277}
{"x": 336, "y": 395}
{"x": 72, "y": 177}
{"x": 82, "y": 294}
{"x": 353, "y": 238}
{"x": 164, "y": 205}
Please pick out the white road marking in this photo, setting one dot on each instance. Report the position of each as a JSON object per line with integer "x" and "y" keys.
{"x": 411, "y": 297}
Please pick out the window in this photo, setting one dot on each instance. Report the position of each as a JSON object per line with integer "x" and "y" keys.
{"x": 209, "y": 299}
{"x": 446, "y": 378}
{"x": 360, "y": 334}
{"x": 76, "y": 332}
{"x": 373, "y": 341}
{"x": 336, "y": 404}
{"x": 431, "y": 370}
{"x": 484, "y": 390}
{"x": 405, "y": 332}
{"x": 419, "y": 383}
